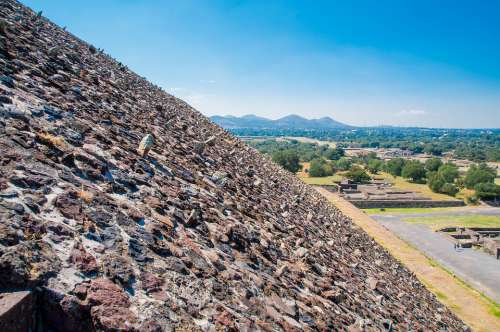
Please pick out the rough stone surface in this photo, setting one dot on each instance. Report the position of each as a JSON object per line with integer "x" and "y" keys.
{"x": 13, "y": 306}
{"x": 202, "y": 234}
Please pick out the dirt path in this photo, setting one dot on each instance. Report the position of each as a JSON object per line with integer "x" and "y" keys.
{"x": 465, "y": 302}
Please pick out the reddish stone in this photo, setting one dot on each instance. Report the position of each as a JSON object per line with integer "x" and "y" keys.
{"x": 68, "y": 205}
{"x": 105, "y": 292}
{"x": 83, "y": 261}
{"x": 160, "y": 295}
{"x": 227, "y": 320}
{"x": 81, "y": 290}
{"x": 150, "y": 282}
{"x": 113, "y": 318}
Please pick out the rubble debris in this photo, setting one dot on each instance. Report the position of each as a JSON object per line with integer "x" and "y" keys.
{"x": 203, "y": 234}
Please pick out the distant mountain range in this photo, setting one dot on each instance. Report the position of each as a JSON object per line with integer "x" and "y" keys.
{"x": 287, "y": 122}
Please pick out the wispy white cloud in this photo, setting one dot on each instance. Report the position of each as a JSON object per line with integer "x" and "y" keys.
{"x": 175, "y": 89}
{"x": 208, "y": 81}
{"x": 197, "y": 100}
{"x": 411, "y": 112}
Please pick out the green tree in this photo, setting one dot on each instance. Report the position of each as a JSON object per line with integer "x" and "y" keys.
{"x": 343, "y": 164}
{"x": 433, "y": 164}
{"x": 448, "y": 172}
{"x": 320, "y": 168}
{"x": 413, "y": 170}
{"x": 375, "y": 165}
{"x": 449, "y": 189}
{"x": 333, "y": 154}
{"x": 443, "y": 180}
{"x": 288, "y": 159}
{"x": 395, "y": 166}
{"x": 433, "y": 150}
{"x": 358, "y": 175}
{"x": 434, "y": 182}
{"x": 479, "y": 174}
{"x": 487, "y": 190}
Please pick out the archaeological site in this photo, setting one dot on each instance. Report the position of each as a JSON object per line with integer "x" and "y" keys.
{"x": 122, "y": 208}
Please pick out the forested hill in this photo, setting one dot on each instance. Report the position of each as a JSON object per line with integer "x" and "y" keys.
{"x": 287, "y": 122}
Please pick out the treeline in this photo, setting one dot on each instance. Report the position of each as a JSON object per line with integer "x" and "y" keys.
{"x": 445, "y": 178}
{"x": 325, "y": 161}
{"x": 471, "y": 144}
{"x": 305, "y": 151}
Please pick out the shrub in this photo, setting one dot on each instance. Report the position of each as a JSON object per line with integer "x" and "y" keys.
{"x": 434, "y": 182}
{"x": 288, "y": 159}
{"x": 343, "y": 164}
{"x": 449, "y": 189}
{"x": 479, "y": 174}
{"x": 395, "y": 166}
{"x": 472, "y": 200}
{"x": 375, "y": 165}
{"x": 433, "y": 164}
{"x": 448, "y": 172}
{"x": 443, "y": 180}
{"x": 333, "y": 154}
{"x": 413, "y": 170}
{"x": 357, "y": 174}
{"x": 487, "y": 190}
{"x": 320, "y": 168}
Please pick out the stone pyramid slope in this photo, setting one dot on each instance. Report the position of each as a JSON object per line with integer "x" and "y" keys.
{"x": 202, "y": 233}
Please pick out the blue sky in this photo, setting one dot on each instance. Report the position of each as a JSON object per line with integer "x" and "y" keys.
{"x": 424, "y": 63}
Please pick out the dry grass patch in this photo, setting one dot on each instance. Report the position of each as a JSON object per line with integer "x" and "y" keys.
{"x": 56, "y": 141}
{"x": 85, "y": 196}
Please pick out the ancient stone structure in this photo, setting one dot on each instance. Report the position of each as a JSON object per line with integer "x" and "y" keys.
{"x": 203, "y": 234}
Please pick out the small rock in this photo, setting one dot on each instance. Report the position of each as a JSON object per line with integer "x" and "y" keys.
{"x": 84, "y": 261}
{"x": 146, "y": 144}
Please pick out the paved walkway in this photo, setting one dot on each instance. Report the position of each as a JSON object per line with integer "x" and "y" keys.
{"x": 463, "y": 211}
{"x": 472, "y": 308}
{"x": 480, "y": 270}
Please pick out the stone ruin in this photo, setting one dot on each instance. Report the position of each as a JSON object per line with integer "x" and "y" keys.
{"x": 191, "y": 231}
{"x": 486, "y": 238}
{"x": 382, "y": 194}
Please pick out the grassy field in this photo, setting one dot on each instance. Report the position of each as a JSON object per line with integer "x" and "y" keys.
{"x": 321, "y": 181}
{"x": 436, "y": 222}
{"x": 423, "y": 189}
{"x": 497, "y": 181}
{"x": 407, "y": 210}
{"x": 317, "y": 181}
